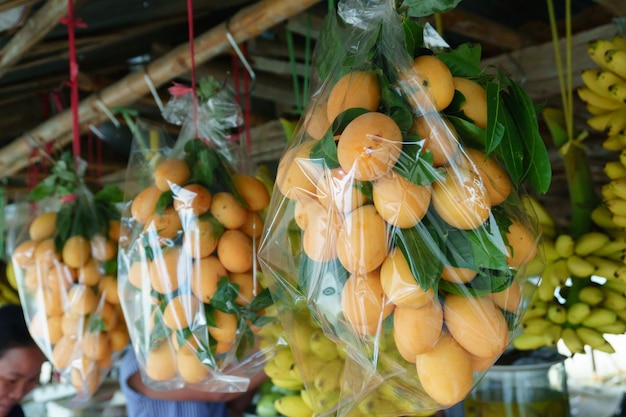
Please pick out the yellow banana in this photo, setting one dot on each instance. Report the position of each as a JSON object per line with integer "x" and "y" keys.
{"x": 557, "y": 314}
{"x": 274, "y": 372}
{"x": 617, "y": 206}
{"x": 602, "y": 121}
{"x": 596, "y": 100}
{"x": 525, "y": 341}
{"x": 615, "y": 245}
{"x": 608, "y": 191}
{"x": 292, "y": 406}
{"x": 535, "y": 209}
{"x": 597, "y": 48}
{"x": 322, "y": 346}
{"x": 604, "y": 267}
{"x": 602, "y": 217}
{"x": 580, "y": 267}
{"x": 608, "y": 78}
{"x": 617, "y": 327}
{"x": 545, "y": 290}
{"x": 591, "y": 295}
{"x": 589, "y": 242}
{"x": 613, "y": 300}
{"x": 564, "y": 245}
{"x": 536, "y": 326}
{"x": 618, "y": 185}
{"x": 329, "y": 377}
{"x": 615, "y": 60}
{"x": 552, "y": 335}
{"x": 619, "y": 220}
{"x": 559, "y": 271}
{"x": 577, "y": 312}
{"x": 284, "y": 359}
{"x": 599, "y": 317}
{"x": 572, "y": 341}
{"x": 590, "y": 337}
{"x": 615, "y": 285}
{"x": 614, "y": 143}
{"x": 614, "y": 170}
{"x": 590, "y": 79}
{"x": 616, "y": 122}
{"x": 289, "y": 384}
{"x": 606, "y": 347}
{"x": 10, "y": 272}
{"x": 618, "y": 91}
{"x": 306, "y": 397}
{"x": 537, "y": 308}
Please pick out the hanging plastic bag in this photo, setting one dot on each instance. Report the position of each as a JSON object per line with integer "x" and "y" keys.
{"x": 190, "y": 285}
{"x": 66, "y": 269}
{"x": 395, "y": 242}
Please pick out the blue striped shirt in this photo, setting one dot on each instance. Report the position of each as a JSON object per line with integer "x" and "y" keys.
{"x": 138, "y": 405}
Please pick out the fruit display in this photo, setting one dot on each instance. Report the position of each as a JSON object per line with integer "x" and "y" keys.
{"x": 8, "y": 287}
{"x": 65, "y": 266}
{"x": 396, "y": 237}
{"x": 190, "y": 286}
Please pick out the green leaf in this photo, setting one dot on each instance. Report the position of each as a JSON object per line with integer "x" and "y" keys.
{"x": 224, "y": 297}
{"x": 325, "y": 150}
{"x": 207, "y": 87}
{"x": 495, "y": 130}
{"x": 463, "y": 61}
{"x": 484, "y": 283}
{"x": 415, "y": 165}
{"x": 511, "y": 149}
{"x": 110, "y": 194}
{"x": 262, "y": 300}
{"x": 63, "y": 226}
{"x": 289, "y": 127}
{"x": 470, "y": 134}
{"x": 413, "y": 36}
{"x": 555, "y": 120}
{"x": 482, "y": 247}
{"x": 97, "y": 325}
{"x": 423, "y": 8}
{"x": 344, "y": 119}
{"x": 165, "y": 200}
{"x": 44, "y": 189}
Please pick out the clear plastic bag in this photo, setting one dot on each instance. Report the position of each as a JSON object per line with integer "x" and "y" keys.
{"x": 394, "y": 247}
{"x": 190, "y": 285}
{"x": 66, "y": 269}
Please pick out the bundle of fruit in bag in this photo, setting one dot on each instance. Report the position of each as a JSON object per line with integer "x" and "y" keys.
{"x": 190, "y": 286}
{"x": 66, "y": 268}
{"x": 396, "y": 226}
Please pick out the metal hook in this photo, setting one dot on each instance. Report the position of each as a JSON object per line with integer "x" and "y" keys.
{"x": 241, "y": 56}
{"x": 107, "y": 112}
{"x": 155, "y": 95}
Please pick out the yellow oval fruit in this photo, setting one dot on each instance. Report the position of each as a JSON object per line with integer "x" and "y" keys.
{"x": 355, "y": 89}
{"x": 108, "y": 289}
{"x": 43, "y": 226}
{"x": 76, "y": 251}
{"x": 399, "y": 201}
{"x": 252, "y": 190}
{"x": 234, "y": 250}
{"x": 171, "y": 172}
{"x": 457, "y": 275}
{"x": 190, "y": 368}
{"x": 119, "y": 339}
{"x": 475, "y": 105}
{"x": 64, "y": 352}
{"x": 477, "y": 324}
{"x": 82, "y": 299}
{"x": 144, "y": 203}
{"x": 46, "y": 254}
{"x": 296, "y": 173}
{"x": 200, "y": 237}
{"x": 167, "y": 225}
{"x": 319, "y": 237}
{"x": 24, "y": 253}
{"x": 226, "y": 329}
{"x": 522, "y": 245}
{"x": 437, "y": 82}
{"x": 482, "y": 364}
{"x": 194, "y": 199}
{"x": 510, "y": 298}
{"x": 363, "y": 302}
{"x": 399, "y": 284}
{"x": 137, "y": 271}
{"x": 89, "y": 274}
{"x": 102, "y": 248}
{"x": 248, "y": 286}
{"x": 58, "y": 278}
{"x": 205, "y": 273}
{"x": 439, "y": 137}
{"x": 95, "y": 345}
{"x": 495, "y": 179}
{"x": 316, "y": 122}
{"x": 369, "y": 146}
{"x": 461, "y": 199}
{"x": 416, "y": 330}
{"x": 253, "y": 226}
{"x": 161, "y": 363}
{"x": 336, "y": 188}
{"x": 164, "y": 271}
{"x": 181, "y": 311}
{"x": 362, "y": 240}
{"x": 445, "y": 371}
{"x": 72, "y": 324}
{"x": 109, "y": 315}
{"x": 227, "y": 210}
{"x": 115, "y": 228}
{"x": 85, "y": 376}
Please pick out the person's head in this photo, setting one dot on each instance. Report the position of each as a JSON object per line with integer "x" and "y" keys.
{"x": 20, "y": 358}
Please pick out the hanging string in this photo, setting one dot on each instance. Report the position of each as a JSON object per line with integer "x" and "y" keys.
{"x": 192, "y": 57}
{"x": 247, "y": 107}
{"x": 300, "y": 96}
{"x": 72, "y": 23}
{"x": 236, "y": 81}
{"x": 331, "y": 5}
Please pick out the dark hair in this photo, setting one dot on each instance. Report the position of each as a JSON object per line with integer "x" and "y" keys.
{"x": 13, "y": 330}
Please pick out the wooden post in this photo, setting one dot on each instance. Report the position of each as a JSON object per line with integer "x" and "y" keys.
{"x": 246, "y": 24}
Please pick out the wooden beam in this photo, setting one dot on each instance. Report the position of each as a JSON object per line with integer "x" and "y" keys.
{"x": 616, "y": 7}
{"x": 535, "y": 67}
{"x": 247, "y": 23}
{"x": 11, "y": 4}
{"x": 35, "y": 29}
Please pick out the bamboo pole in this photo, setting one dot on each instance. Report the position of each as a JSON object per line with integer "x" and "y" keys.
{"x": 246, "y": 24}
{"x": 35, "y": 29}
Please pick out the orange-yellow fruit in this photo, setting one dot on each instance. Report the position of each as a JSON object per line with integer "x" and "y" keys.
{"x": 522, "y": 245}
{"x": 252, "y": 190}
{"x": 164, "y": 271}
{"x": 108, "y": 289}
{"x": 363, "y": 302}
{"x": 119, "y": 339}
{"x": 161, "y": 363}
{"x": 369, "y": 146}
{"x": 166, "y": 225}
{"x": 234, "y": 250}
{"x": 58, "y": 278}
{"x": 45, "y": 328}
{"x": 72, "y": 324}
{"x": 399, "y": 201}
{"x": 171, "y": 172}
{"x": 319, "y": 238}
{"x": 192, "y": 199}
{"x": 109, "y": 315}
{"x": 85, "y": 376}
{"x": 76, "y": 251}
{"x": 95, "y": 345}
{"x": 336, "y": 188}
{"x": 201, "y": 237}
{"x": 308, "y": 207}
{"x": 102, "y": 248}
{"x": 223, "y": 347}
{"x": 495, "y": 179}
{"x": 510, "y": 298}
{"x": 461, "y": 199}
{"x": 355, "y": 89}
{"x": 477, "y": 324}
{"x": 89, "y": 274}
{"x": 248, "y": 286}
{"x": 181, "y": 311}
{"x": 227, "y": 210}
{"x": 55, "y": 301}
{"x": 445, "y": 371}
{"x": 137, "y": 271}
{"x": 399, "y": 284}
{"x": 43, "y": 226}
{"x": 115, "y": 228}
{"x": 296, "y": 173}
{"x": 190, "y": 368}
{"x": 437, "y": 82}
{"x": 226, "y": 329}
{"x": 362, "y": 240}
{"x": 316, "y": 122}
{"x": 253, "y": 226}
{"x": 475, "y": 105}
{"x": 24, "y": 253}
{"x": 64, "y": 352}
{"x": 439, "y": 136}
{"x": 457, "y": 275}
{"x": 482, "y": 364}
{"x": 144, "y": 203}
{"x": 205, "y": 273}
{"x": 46, "y": 254}
{"x": 82, "y": 299}
{"x": 416, "y": 330}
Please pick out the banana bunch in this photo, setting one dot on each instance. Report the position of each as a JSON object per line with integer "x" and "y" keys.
{"x": 8, "y": 287}
{"x": 604, "y": 90}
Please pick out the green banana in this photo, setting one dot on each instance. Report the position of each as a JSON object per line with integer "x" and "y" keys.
{"x": 619, "y": 220}
{"x": 552, "y": 335}
{"x": 564, "y": 245}
{"x": 535, "y": 209}
{"x": 590, "y": 337}
{"x": 577, "y": 312}
{"x": 557, "y": 314}
{"x": 591, "y": 295}
{"x": 602, "y": 217}
{"x": 613, "y": 245}
{"x": 613, "y": 300}
{"x": 605, "y": 347}
{"x": 559, "y": 271}
{"x": 292, "y": 406}
{"x": 536, "y": 326}
{"x": 580, "y": 267}
{"x": 572, "y": 341}
{"x": 615, "y": 285}
{"x": 525, "y": 341}
{"x": 604, "y": 267}
{"x": 545, "y": 290}
{"x": 590, "y": 242}
{"x": 618, "y": 327}
{"x": 608, "y": 191}
{"x": 599, "y": 317}
{"x": 549, "y": 250}
{"x": 614, "y": 170}
{"x": 537, "y": 308}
